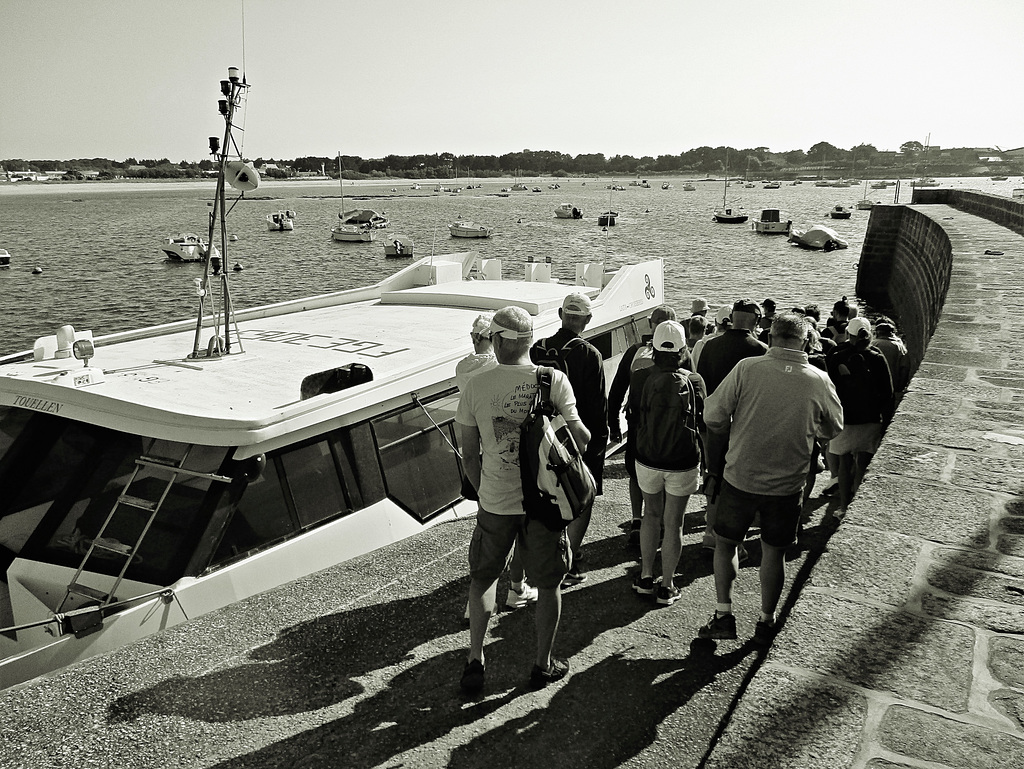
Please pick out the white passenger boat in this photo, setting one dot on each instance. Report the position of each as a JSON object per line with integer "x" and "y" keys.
{"x": 5, "y": 258}
{"x": 281, "y": 221}
{"x": 317, "y": 430}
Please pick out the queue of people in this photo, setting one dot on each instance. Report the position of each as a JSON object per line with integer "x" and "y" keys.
{"x": 746, "y": 406}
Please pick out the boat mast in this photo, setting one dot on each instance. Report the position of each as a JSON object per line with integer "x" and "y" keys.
{"x": 725, "y": 189}
{"x": 341, "y": 182}
{"x": 232, "y": 90}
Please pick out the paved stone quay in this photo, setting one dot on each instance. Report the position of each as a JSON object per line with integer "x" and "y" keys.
{"x": 902, "y": 643}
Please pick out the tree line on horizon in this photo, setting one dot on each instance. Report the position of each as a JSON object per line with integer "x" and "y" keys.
{"x": 823, "y": 159}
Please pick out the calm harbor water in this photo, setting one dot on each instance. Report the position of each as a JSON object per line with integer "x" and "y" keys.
{"x": 97, "y": 245}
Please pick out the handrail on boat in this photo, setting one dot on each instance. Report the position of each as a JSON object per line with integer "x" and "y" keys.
{"x": 68, "y": 621}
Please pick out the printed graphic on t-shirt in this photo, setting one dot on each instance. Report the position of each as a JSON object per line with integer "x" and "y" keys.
{"x": 511, "y": 409}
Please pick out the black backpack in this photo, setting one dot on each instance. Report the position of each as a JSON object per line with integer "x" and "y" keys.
{"x": 544, "y": 354}
{"x": 557, "y": 486}
{"x": 667, "y": 422}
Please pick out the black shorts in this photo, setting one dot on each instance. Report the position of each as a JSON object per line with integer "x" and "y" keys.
{"x": 780, "y": 516}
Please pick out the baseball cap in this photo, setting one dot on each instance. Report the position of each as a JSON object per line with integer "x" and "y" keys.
{"x": 723, "y": 314}
{"x": 856, "y": 325}
{"x": 576, "y": 304}
{"x": 482, "y": 325}
{"x": 661, "y": 314}
{"x": 497, "y": 329}
{"x": 746, "y": 305}
{"x": 769, "y": 305}
{"x": 698, "y": 305}
{"x": 669, "y": 336}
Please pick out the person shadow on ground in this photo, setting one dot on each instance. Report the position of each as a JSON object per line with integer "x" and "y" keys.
{"x": 321, "y": 670}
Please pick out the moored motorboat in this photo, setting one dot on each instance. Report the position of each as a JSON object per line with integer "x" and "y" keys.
{"x": 398, "y": 245}
{"x": 689, "y": 187}
{"x": 352, "y": 233}
{"x": 568, "y": 211}
{"x": 818, "y": 237}
{"x": 281, "y": 221}
{"x": 666, "y": 186}
{"x": 364, "y": 217}
{"x": 607, "y": 219}
{"x": 464, "y": 229}
{"x": 5, "y": 258}
{"x": 186, "y": 247}
{"x": 773, "y": 186}
{"x": 771, "y": 223}
{"x": 840, "y": 212}
{"x": 318, "y": 429}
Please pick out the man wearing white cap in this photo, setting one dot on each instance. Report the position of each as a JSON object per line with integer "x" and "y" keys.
{"x": 490, "y": 413}
{"x": 584, "y": 366}
{"x": 482, "y": 359}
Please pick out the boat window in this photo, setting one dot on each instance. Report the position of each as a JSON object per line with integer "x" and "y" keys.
{"x": 421, "y": 469}
{"x": 302, "y": 485}
{"x": 64, "y": 479}
{"x": 313, "y": 482}
{"x": 603, "y": 343}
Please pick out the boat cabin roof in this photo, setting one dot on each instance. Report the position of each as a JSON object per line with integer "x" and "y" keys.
{"x": 407, "y": 332}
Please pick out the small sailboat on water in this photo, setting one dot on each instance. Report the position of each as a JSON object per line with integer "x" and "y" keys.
{"x": 727, "y": 214}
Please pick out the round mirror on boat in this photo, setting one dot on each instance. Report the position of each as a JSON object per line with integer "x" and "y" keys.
{"x": 242, "y": 176}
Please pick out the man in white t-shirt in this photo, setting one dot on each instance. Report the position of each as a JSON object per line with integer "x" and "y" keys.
{"x": 491, "y": 410}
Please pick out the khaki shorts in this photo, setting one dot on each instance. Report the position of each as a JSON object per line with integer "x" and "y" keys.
{"x": 545, "y": 553}
{"x": 678, "y": 483}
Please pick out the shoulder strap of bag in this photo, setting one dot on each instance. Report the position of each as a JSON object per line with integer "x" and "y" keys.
{"x": 543, "y": 399}
{"x": 573, "y": 343}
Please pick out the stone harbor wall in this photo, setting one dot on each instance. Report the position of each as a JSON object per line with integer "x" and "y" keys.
{"x": 905, "y": 645}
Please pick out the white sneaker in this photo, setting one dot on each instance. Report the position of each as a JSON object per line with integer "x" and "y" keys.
{"x": 517, "y": 599}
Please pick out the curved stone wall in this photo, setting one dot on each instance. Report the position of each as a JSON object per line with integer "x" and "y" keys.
{"x": 995, "y": 208}
{"x": 904, "y": 272}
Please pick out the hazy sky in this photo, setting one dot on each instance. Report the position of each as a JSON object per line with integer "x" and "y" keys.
{"x": 140, "y": 78}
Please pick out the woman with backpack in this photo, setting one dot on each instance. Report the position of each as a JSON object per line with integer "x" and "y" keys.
{"x": 667, "y": 401}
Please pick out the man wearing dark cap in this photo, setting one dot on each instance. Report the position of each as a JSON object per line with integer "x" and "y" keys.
{"x": 719, "y": 356}
{"x": 636, "y": 356}
{"x": 584, "y": 366}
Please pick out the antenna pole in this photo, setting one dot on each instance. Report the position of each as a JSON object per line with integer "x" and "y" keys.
{"x": 232, "y": 90}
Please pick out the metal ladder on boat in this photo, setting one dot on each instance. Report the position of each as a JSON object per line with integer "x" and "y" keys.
{"x": 129, "y": 504}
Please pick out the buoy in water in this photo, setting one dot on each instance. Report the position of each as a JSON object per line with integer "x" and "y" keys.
{"x": 237, "y": 267}
{"x": 232, "y": 238}
{"x": 37, "y": 270}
